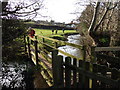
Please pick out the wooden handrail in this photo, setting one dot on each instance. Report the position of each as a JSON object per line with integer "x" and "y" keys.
{"x": 59, "y": 41}
{"x": 97, "y": 49}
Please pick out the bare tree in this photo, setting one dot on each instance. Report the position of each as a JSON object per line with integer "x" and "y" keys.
{"x": 21, "y": 9}
{"x": 99, "y": 16}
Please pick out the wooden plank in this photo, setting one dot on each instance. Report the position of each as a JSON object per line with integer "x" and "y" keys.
{"x": 84, "y": 52}
{"x": 80, "y": 75}
{"x": 59, "y": 41}
{"x": 93, "y": 54}
{"x": 36, "y": 52}
{"x": 44, "y": 67}
{"x": 109, "y": 59}
{"x": 94, "y": 81}
{"x": 115, "y": 75}
{"x": 67, "y": 54}
{"x": 47, "y": 79}
{"x": 97, "y": 49}
{"x": 103, "y": 72}
{"x": 96, "y": 76}
{"x": 87, "y": 65}
{"x": 54, "y": 67}
{"x": 29, "y": 51}
{"x": 74, "y": 74}
{"x": 60, "y": 71}
{"x": 67, "y": 72}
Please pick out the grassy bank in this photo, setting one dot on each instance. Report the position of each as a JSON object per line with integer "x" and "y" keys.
{"x": 48, "y": 32}
{"x": 59, "y": 35}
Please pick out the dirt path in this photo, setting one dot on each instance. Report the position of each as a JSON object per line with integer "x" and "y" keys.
{"x": 39, "y": 81}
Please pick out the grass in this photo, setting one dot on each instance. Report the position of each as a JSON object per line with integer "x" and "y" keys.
{"x": 48, "y": 33}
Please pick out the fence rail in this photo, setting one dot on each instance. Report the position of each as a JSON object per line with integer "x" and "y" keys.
{"x": 73, "y": 71}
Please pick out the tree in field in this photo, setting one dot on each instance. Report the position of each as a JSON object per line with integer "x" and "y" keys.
{"x": 96, "y": 18}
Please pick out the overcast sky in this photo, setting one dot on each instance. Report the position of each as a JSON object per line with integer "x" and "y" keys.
{"x": 60, "y": 10}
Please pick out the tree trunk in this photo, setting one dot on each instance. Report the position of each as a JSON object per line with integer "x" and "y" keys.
{"x": 92, "y": 25}
{"x": 97, "y": 26}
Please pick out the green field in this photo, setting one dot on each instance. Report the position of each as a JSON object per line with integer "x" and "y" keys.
{"x": 48, "y": 32}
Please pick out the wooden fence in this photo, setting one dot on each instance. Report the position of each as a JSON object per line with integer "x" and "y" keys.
{"x": 72, "y": 72}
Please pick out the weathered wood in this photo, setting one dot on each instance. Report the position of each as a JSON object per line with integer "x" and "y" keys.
{"x": 67, "y": 72}
{"x": 60, "y": 71}
{"x": 96, "y": 76}
{"x": 56, "y": 45}
{"x": 74, "y": 74}
{"x": 45, "y": 67}
{"x": 87, "y": 64}
{"x": 36, "y": 52}
{"x": 80, "y": 75}
{"x": 84, "y": 52}
{"x": 103, "y": 72}
{"x": 49, "y": 82}
{"x": 97, "y": 49}
{"x": 115, "y": 74}
{"x": 93, "y": 54}
{"x": 55, "y": 67}
{"x": 109, "y": 59}
{"x": 29, "y": 51}
{"x": 86, "y": 70}
{"x": 66, "y": 54}
{"x": 94, "y": 81}
{"x": 59, "y": 41}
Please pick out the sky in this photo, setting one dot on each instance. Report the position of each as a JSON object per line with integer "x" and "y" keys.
{"x": 60, "y": 10}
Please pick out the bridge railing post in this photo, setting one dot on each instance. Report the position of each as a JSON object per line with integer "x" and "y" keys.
{"x": 57, "y": 69}
{"x": 93, "y": 54}
{"x": 29, "y": 51}
{"x": 36, "y": 52}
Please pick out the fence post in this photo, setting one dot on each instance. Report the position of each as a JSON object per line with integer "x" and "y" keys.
{"x": 84, "y": 52}
{"x": 59, "y": 71}
{"x": 56, "y": 44}
{"x": 74, "y": 73}
{"x": 93, "y": 54}
{"x": 29, "y": 51}
{"x": 67, "y": 72}
{"x": 87, "y": 65}
{"x": 36, "y": 52}
{"x": 95, "y": 70}
{"x": 25, "y": 43}
{"x": 54, "y": 65}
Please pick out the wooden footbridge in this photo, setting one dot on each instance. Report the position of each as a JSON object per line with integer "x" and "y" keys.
{"x": 73, "y": 72}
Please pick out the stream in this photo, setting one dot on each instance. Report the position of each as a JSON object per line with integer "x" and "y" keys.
{"x": 75, "y": 39}
{"x": 20, "y": 74}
